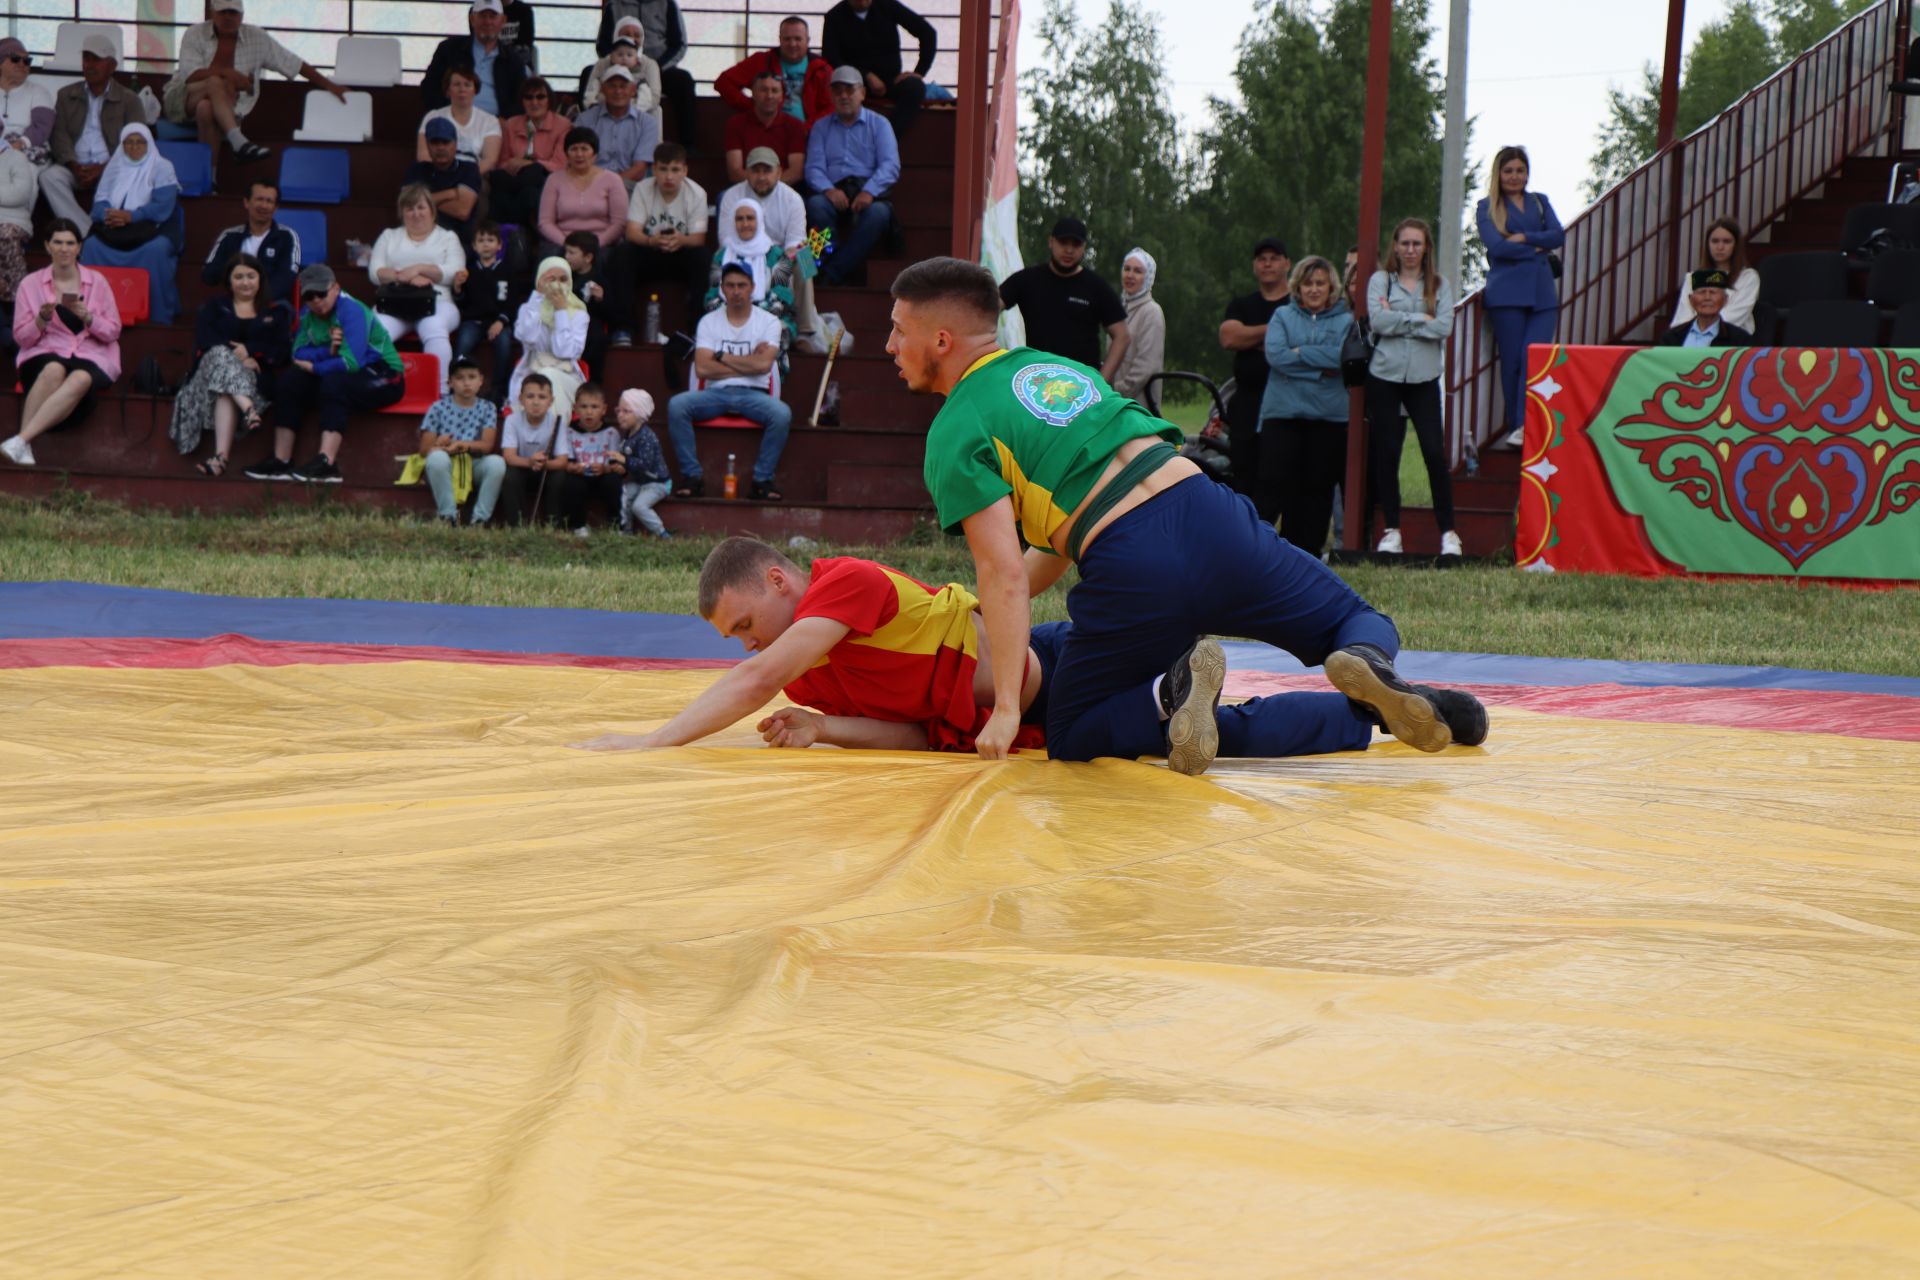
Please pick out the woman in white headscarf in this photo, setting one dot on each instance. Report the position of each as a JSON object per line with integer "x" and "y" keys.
{"x": 743, "y": 239}
{"x": 137, "y": 219}
{"x": 1146, "y": 329}
{"x": 552, "y": 331}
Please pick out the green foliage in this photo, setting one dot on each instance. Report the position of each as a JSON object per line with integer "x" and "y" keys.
{"x": 1283, "y": 160}
{"x": 1729, "y": 58}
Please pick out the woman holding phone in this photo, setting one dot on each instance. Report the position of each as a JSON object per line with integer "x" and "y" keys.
{"x": 68, "y": 331}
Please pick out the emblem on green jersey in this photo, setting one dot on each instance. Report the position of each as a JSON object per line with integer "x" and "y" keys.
{"x": 1054, "y": 393}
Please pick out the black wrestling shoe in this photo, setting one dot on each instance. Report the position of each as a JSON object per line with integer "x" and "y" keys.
{"x": 1190, "y": 695}
{"x": 1466, "y": 718}
{"x": 1366, "y": 675}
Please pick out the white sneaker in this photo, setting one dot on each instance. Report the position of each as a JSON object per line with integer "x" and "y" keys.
{"x": 1390, "y": 542}
{"x": 17, "y": 450}
{"x": 583, "y": 532}
{"x": 1450, "y": 544}
{"x": 1516, "y": 439}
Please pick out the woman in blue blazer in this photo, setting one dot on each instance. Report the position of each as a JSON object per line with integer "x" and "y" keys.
{"x": 1519, "y": 229}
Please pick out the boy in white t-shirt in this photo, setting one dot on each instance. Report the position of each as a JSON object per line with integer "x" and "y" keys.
{"x": 667, "y": 224}
{"x": 527, "y": 444}
{"x": 588, "y": 451}
{"x": 735, "y": 366}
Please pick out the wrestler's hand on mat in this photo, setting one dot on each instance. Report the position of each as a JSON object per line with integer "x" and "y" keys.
{"x": 996, "y": 740}
{"x": 792, "y": 727}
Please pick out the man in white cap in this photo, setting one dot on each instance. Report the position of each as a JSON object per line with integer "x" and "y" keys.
{"x": 627, "y": 137}
{"x": 88, "y": 118}
{"x": 852, "y": 164}
{"x": 216, "y": 81}
{"x": 499, "y": 67}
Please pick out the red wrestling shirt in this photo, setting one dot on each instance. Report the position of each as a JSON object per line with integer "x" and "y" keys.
{"x": 910, "y": 655}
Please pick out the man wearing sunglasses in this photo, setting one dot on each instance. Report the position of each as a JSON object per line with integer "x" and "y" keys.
{"x": 533, "y": 145}
{"x": 26, "y": 105}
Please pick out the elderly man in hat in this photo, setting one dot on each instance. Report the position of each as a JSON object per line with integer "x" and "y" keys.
{"x": 498, "y": 67}
{"x": 1065, "y": 306}
{"x": 216, "y": 81}
{"x": 853, "y": 162}
{"x": 88, "y": 118}
{"x": 627, "y": 135}
{"x": 1707, "y": 329}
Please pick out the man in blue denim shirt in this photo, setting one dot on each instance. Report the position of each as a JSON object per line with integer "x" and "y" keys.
{"x": 853, "y": 163}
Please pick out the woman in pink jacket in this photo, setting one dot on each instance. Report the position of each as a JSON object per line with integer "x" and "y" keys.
{"x": 68, "y": 331}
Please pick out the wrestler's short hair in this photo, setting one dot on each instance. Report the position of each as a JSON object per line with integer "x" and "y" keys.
{"x": 736, "y": 562}
{"x": 952, "y": 280}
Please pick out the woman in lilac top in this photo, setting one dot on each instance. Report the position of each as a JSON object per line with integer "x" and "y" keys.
{"x": 585, "y": 197}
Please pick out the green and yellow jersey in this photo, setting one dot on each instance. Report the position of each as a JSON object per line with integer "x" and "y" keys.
{"x": 1033, "y": 425}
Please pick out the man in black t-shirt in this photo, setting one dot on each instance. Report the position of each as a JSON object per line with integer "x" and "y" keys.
{"x": 1065, "y": 306}
{"x": 455, "y": 183}
{"x": 1244, "y": 332}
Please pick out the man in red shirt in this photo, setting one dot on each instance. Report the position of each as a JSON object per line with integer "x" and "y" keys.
{"x": 890, "y": 663}
{"x": 768, "y": 125}
{"x": 804, "y": 74}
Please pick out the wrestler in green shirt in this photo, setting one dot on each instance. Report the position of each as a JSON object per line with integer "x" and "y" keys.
{"x": 1033, "y": 425}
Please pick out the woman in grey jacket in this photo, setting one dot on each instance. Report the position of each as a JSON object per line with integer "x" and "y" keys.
{"x": 1303, "y": 416}
{"x": 1146, "y": 329}
{"x": 1410, "y": 309}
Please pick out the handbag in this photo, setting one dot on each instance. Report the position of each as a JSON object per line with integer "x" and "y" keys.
{"x": 1356, "y": 355}
{"x": 1554, "y": 264}
{"x": 409, "y": 302}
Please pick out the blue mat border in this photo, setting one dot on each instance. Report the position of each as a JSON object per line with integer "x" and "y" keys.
{"x": 68, "y": 610}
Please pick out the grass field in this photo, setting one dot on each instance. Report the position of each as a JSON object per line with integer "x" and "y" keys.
{"x": 342, "y": 553}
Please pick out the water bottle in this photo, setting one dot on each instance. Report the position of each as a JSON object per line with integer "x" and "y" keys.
{"x": 730, "y": 486}
{"x": 650, "y": 331}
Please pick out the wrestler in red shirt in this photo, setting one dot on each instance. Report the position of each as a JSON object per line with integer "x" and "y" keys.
{"x": 885, "y": 661}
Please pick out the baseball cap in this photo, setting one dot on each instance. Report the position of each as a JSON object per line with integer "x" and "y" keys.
{"x": 1711, "y": 278}
{"x": 616, "y": 72}
{"x": 487, "y": 6}
{"x": 763, "y": 156}
{"x": 226, "y": 6}
{"x": 847, "y": 75}
{"x": 735, "y": 269}
{"x": 316, "y": 278}
{"x": 99, "y": 44}
{"x": 1070, "y": 229}
{"x": 1269, "y": 244}
{"x": 440, "y": 129}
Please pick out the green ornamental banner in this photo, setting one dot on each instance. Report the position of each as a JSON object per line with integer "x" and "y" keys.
{"x": 1776, "y": 461}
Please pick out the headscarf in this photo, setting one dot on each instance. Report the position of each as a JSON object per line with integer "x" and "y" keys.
{"x": 546, "y": 303}
{"x": 751, "y": 254}
{"x": 1147, "y": 264}
{"x": 127, "y": 185}
{"x": 638, "y": 403}
{"x": 639, "y": 31}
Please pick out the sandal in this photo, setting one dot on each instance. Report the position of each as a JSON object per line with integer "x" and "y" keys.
{"x": 215, "y": 466}
{"x": 250, "y": 422}
{"x": 691, "y": 488}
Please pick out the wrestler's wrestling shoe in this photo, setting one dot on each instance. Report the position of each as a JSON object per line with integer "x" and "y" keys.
{"x": 1466, "y": 718}
{"x": 1366, "y": 675}
{"x": 1190, "y": 695}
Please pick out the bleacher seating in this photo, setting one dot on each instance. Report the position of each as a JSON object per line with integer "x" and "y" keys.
{"x": 1833, "y": 322}
{"x": 1906, "y": 327}
{"x": 315, "y": 175}
{"x": 1864, "y": 220}
{"x": 371, "y": 62}
{"x": 130, "y": 292}
{"x": 66, "y": 44}
{"x": 1894, "y": 278}
{"x": 328, "y": 119}
{"x": 423, "y": 384}
{"x": 311, "y": 226}
{"x": 192, "y": 164}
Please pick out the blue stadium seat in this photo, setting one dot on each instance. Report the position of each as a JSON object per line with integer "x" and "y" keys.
{"x": 193, "y": 162}
{"x": 311, "y": 226}
{"x": 165, "y": 130}
{"x": 313, "y": 175}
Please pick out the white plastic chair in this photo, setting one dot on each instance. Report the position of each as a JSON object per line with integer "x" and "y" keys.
{"x": 66, "y": 44}
{"x": 330, "y": 120}
{"x": 373, "y": 62}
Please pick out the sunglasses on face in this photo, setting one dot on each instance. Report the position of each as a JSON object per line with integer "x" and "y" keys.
{"x": 313, "y": 297}
{"x": 20, "y": 58}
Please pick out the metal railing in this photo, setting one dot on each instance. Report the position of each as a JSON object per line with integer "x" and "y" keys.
{"x": 1625, "y": 253}
{"x": 718, "y": 35}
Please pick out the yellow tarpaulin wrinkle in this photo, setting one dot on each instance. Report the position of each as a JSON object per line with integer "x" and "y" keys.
{"x": 361, "y": 971}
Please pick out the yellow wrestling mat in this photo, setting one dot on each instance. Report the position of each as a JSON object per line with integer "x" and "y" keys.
{"x": 359, "y": 971}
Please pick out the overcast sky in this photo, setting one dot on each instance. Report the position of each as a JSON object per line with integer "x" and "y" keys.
{"x": 1537, "y": 70}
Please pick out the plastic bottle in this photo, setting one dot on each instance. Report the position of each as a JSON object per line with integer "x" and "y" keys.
{"x": 650, "y": 331}
{"x": 730, "y": 486}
